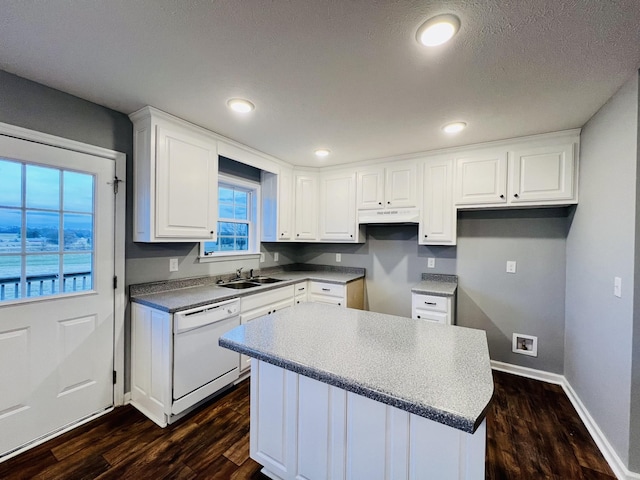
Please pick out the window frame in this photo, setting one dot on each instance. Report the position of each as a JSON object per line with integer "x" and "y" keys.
{"x": 253, "y": 208}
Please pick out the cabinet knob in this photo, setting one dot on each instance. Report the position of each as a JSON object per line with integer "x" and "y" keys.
{"x": 501, "y": 196}
{"x": 297, "y": 234}
{"x": 379, "y": 203}
{"x": 282, "y": 234}
{"x": 516, "y": 195}
{"x": 211, "y": 232}
{"x": 351, "y": 236}
{"x": 388, "y": 203}
{"x": 418, "y": 316}
{"x": 426, "y": 236}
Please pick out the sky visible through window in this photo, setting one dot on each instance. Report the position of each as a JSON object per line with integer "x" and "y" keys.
{"x": 46, "y": 227}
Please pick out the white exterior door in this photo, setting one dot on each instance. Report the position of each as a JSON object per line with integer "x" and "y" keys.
{"x": 56, "y": 291}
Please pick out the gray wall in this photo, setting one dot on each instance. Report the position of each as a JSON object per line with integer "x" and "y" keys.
{"x": 529, "y": 302}
{"x": 600, "y": 246}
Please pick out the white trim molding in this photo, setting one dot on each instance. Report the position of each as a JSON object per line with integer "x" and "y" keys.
{"x": 613, "y": 459}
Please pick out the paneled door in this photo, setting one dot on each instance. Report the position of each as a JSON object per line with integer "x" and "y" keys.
{"x": 56, "y": 289}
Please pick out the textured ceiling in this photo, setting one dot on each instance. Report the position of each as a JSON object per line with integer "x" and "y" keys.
{"x": 343, "y": 74}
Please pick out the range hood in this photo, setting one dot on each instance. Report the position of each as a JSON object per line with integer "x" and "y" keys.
{"x": 389, "y": 215}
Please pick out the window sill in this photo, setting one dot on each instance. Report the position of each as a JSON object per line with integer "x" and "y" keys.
{"x": 229, "y": 256}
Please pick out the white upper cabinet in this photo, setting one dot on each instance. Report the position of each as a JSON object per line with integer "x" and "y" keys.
{"x": 338, "y": 207}
{"x": 481, "y": 177}
{"x": 306, "y": 206}
{"x": 541, "y": 174}
{"x": 533, "y": 172}
{"x": 176, "y": 179}
{"x": 387, "y": 187}
{"x": 438, "y": 222}
{"x": 285, "y": 205}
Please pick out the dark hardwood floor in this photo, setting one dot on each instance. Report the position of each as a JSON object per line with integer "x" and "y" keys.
{"x": 533, "y": 432}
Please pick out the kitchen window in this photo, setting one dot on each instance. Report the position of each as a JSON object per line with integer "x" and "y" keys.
{"x": 238, "y": 222}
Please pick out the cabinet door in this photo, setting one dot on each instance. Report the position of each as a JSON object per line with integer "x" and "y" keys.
{"x": 337, "y": 207}
{"x": 186, "y": 184}
{"x": 481, "y": 178}
{"x": 541, "y": 174}
{"x": 306, "y": 207}
{"x": 285, "y": 204}
{"x": 438, "y": 226}
{"x": 370, "y": 189}
{"x": 400, "y": 186}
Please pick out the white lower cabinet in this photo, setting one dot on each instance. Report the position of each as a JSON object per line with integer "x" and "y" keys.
{"x": 260, "y": 304}
{"x": 301, "y": 292}
{"x": 305, "y": 429}
{"x": 432, "y": 308}
{"x": 350, "y": 295}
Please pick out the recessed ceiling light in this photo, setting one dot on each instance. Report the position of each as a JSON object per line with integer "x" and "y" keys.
{"x": 454, "y": 127}
{"x": 240, "y": 105}
{"x": 322, "y": 152}
{"x": 438, "y": 30}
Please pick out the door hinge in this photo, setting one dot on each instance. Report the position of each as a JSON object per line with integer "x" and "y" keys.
{"x": 115, "y": 282}
{"x": 115, "y": 376}
{"x": 115, "y": 183}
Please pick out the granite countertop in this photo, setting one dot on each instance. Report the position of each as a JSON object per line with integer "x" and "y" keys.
{"x": 192, "y": 293}
{"x": 436, "y": 284}
{"x": 439, "y": 372}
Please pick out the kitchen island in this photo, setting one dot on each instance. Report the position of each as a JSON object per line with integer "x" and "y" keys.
{"x": 339, "y": 393}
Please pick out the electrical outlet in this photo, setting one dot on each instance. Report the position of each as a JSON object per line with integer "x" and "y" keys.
{"x": 617, "y": 287}
{"x": 276, "y": 256}
{"x": 261, "y": 257}
{"x": 431, "y": 262}
{"x": 511, "y": 266}
{"x": 338, "y": 257}
{"x": 173, "y": 264}
{"x": 525, "y": 344}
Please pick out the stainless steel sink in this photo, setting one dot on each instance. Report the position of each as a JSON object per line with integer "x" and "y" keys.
{"x": 240, "y": 285}
{"x": 263, "y": 280}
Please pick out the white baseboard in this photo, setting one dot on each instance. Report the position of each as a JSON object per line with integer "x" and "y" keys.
{"x": 609, "y": 454}
{"x": 127, "y": 398}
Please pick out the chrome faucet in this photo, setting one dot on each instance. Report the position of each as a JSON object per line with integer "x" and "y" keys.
{"x": 251, "y": 273}
{"x": 239, "y": 273}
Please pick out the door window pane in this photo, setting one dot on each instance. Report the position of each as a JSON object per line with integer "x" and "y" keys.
{"x": 77, "y": 272}
{"x": 10, "y": 231}
{"x": 77, "y": 192}
{"x": 43, "y": 187}
{"x": 10, "y": 284}
{"x": 78, "y": 231}
{"x": 11, "y": 178}
{"x": 42, "y": 276}
{"x": 43, "y": 232}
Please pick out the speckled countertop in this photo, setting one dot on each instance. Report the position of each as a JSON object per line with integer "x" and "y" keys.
{"x": 437, "y": 284}
{"x": 435, "y": 371}
{"x": 181, "y": 295}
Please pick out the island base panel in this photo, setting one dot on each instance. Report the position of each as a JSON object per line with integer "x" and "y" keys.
{"x": 305, "y": 429}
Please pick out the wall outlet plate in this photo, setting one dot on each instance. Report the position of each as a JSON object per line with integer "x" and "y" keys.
{"x": 173, "y": 265}
{"x": 511, "y": 266}
{"x": 276, "y": 256}
{"x": 431, "y": 262}
{"x": 525, "y": 344}
{"x": 338, "y": 257}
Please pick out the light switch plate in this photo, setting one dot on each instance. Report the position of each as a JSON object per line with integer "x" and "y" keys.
{"x": 276, "y": 256}
{"x": 173, "y": 264}
{"x": 617, "y": 287}
{"x": 261, "y": 257}
{"x": 338, "y": 257}
{"x": 511, "y": 266}
{"x": 431, "y": 262}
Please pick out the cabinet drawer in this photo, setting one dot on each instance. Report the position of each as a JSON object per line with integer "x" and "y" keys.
{"x": 430, "y": 302}
{"x": 258, "y": 300}
{"x": 300, "y": 288}
{"x": 314, "y": 297}
{"x": 431, "y": 316}
{"x": 328, "y": 289}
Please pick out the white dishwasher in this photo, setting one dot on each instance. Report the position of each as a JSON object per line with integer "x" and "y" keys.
{"x": 201, "y": 366}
